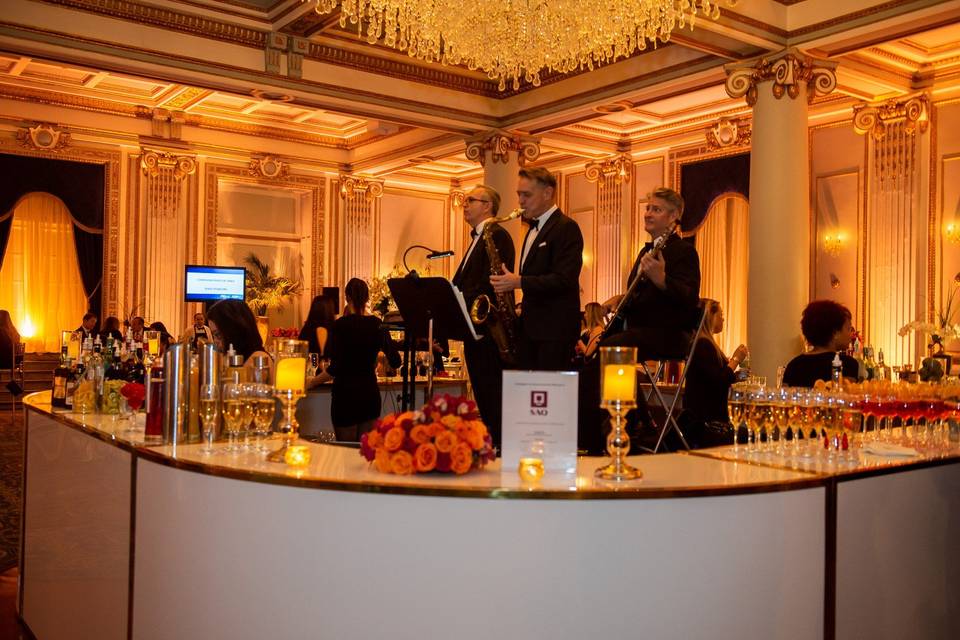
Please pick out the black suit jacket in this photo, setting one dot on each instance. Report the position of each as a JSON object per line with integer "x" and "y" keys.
{"x": 676, "y": 307}
{"x": 473, "y": 276}
{"x": 550, "y": 281}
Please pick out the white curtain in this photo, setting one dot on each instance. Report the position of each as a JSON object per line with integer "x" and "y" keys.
{"x": 723, "y": 245}
{"x": 40, "y": 278}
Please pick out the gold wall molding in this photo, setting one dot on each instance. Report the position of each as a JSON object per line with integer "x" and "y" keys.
{"x": 352, "y": 186}
{"x": 43, "y": 137}
{"x": 729, "y": 133}
{"x": 217, "y": 173}
{"x": 609, "y": 171}
{"x": 500, "y": 144}
{"x": 165, "y": 173}
{"x": 166, "y": 123}
{"x": 268, "y": 167}
{"x": 875, "y": 118}
{"x": 110, "y": 160}
{"x": 788, "y": 72}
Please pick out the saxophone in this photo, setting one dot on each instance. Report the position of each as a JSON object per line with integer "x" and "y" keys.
{"x": 500, "y": 319}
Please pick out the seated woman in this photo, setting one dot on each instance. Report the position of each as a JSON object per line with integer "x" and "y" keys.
{"x": 353, "y": 346}
{"x": 711, "y": 372}
{"x": 319, "y": 322}
{"x": 232, "y": 323}
{"x": 594, "y": 321}
{"x": 826, "y": 327}
{"x": 111, "y": 329}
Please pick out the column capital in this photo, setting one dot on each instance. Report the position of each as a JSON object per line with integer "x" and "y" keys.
{"x": 458, "y": 197}
{"x": 352, "y": 185}
{"x": 786, "y": 69}
{"x": 499, "y": 143}
{"x": 873, "y": 118}
{"x": 616, "y": 167}
{"x": 154, "y": 163}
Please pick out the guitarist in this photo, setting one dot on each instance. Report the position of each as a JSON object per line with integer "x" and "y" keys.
{"x": 659, "y": 315}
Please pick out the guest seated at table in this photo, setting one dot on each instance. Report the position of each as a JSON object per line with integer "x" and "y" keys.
{"x": 319, "y": 322}
{"x": 826, "y": 327}
{"x": 111, "y": 329}
{"x": 704, "y": 421}
{"x": 594, "y": 320}
{"x": 232, "y": 323}
{"x": 353, "y": 346}
{"x": 87, "y": 327}
{"x": 136, "y": 325}
{"x": 165, "y": 338}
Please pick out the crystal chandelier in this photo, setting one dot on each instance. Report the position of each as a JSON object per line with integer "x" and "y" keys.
{"x": 514, "y": 39}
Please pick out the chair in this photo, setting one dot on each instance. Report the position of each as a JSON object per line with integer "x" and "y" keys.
{"x": 11, "y": 356}
{"x": 656, "y": 395}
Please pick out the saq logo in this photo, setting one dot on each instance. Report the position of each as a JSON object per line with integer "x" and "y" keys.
{"x": 538, "y": 403}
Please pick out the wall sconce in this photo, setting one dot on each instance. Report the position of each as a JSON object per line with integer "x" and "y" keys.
{"x": 952, "y": 232}
{"x": 834, "y": 281}
{"x": 833, "y": 243}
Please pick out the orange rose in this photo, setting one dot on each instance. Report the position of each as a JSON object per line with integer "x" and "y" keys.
{"x": 450, "y": 421}
{"x": 461, "y": 458}
{"x": 469, "y": 433}
{"x": 420, "y": 434}
{"x": 382, "y": 461}
{"x": 435, "y": 429}
{"x": 388, "y": 419}
{"x": 374, "y": 439}
{"x": 401, "y": 463}
{"x": 394, "y": 439}
{"x": 425, "y": 458}
{"x": 446, "y": 441}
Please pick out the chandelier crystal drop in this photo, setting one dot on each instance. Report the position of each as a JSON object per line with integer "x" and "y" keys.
{"x": 512, "y": 40}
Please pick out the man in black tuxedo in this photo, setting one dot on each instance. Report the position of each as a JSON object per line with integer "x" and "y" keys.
{"x": 549, "y": 276}
{"x": 473, "y": 278}
{"x": 86, "y": 328}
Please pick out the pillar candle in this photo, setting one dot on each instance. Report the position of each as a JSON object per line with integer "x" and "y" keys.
{"x": 291, "y": 373}
{"x": 619, "y": 383}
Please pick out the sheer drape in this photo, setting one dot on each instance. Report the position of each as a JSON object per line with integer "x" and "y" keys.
{"x": 40, "y": 278}
{"x": 723, "y": 245}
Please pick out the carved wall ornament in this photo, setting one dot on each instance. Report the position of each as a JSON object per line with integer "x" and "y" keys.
{"x": 728, "y": 133}
{"x": 500, "y": 143}
{"x": 617, "y": 168}
{"x": 352, "y": 185}
{"x": 913, "y": 112}
{"x": 788, "y": 70}
{"x": 165, "y": 173}
{"x": 43, "y": 137}
{"x": 458, "y": 198}
{"x": 268, "y": 167}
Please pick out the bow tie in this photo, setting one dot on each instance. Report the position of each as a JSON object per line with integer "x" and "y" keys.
{"x": 533, "y": 223}
{"x": 473, "y": 233}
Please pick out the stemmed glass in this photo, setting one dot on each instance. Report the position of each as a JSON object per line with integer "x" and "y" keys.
{"x": 209, "y": 414}
{"x": 737, "y": 408}
{"x": 232, "y": 409}
{"x": 248, "y": 393}
{"x": 264, "y": 411}
{"x": 781, "y": 399}
{"x": 757, "y": 401}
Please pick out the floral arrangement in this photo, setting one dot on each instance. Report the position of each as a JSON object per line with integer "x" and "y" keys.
{"x": 135, "y": 393}
{"x": 445, "y": 435}
{"x": 291, "y": 332}
{"x": 939, "y": 330}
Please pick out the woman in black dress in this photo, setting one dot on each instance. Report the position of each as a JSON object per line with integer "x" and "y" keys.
{"x": 354, "y": 343}
{"x": 826, "y": 326}
{"x": 708, "y": 381}
{"x": 316, "y": 330}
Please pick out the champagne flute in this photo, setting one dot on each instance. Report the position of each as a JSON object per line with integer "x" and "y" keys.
{"x": 264, "y": 411}
{"x": 736, "y": 406}
{"x": 248, "y": 394}
{"x": 209, "y": 414}
{"x": 232, "y": 409}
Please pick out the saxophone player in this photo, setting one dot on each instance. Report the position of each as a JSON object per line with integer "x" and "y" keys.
{"x": 473, "y": 278}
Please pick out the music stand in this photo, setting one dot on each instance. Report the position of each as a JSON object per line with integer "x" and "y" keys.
{"x": 419, "y": 301}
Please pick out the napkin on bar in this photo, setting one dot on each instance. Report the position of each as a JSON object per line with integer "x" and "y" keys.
{"x": 888, "y": 449}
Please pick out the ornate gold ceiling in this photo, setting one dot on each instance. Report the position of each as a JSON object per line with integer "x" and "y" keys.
{"x": 275, "y": 69}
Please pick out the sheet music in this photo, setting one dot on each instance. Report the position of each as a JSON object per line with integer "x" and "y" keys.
{"x": 463, "y": 308}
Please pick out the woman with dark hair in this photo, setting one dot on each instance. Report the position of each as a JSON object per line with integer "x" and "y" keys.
{"x": 319, "y": 322}
{"x": 232, "y": 323}
{"x": 826, "y": 326}
{"x": 355, "y": 341}
{"x": 165, "y": 338}
{"x": 111, "y": 329}
{"x": 705, "y": 420}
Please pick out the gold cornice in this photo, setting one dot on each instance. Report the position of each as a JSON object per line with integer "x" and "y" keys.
{"x": 500, "y": 144}
{"x": 848, "y": 17}
{"x": 786, "y": 70}
{"x": 355, "y": 185}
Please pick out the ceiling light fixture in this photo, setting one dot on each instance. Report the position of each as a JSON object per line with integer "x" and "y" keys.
{"x": 511, "y": 41}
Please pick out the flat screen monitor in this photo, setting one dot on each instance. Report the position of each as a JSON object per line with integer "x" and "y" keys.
{"x": 208, "y": 284}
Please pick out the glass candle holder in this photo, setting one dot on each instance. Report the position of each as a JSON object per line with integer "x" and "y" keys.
{"x": 289, "y": 386}
{"x": 618, "y": 394}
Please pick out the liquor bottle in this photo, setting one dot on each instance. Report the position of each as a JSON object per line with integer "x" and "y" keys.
{"x": 58, "y": 396}
{"x": 113, "y": 367}
{"x": 836, "y": 371}
{"x": 135, "y": 371}
{"x": 870, "y": 367}
{"x": 883, "y": 371}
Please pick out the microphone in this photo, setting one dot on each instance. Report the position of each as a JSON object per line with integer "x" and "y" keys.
{"x": 432, "y": 254}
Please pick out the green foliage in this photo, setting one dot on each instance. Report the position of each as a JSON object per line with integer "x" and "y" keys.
{"x": 265, "y": 290}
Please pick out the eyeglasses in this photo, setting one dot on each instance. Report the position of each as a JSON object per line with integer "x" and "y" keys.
{"x": 471, "y": 199}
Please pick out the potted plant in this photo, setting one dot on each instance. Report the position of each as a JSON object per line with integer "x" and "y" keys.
{"x": 266, "y": 291}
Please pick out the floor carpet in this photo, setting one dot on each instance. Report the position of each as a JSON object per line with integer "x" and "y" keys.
{"x": 11, "y": 480}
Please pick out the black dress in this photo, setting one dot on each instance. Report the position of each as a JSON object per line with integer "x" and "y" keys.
{"x": 708, "y": 383}
{"x": 353, "y": 346}
{"x": 807, "y": 368}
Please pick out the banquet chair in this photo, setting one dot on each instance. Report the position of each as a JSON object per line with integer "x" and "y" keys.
{"x": 655, "y": 396}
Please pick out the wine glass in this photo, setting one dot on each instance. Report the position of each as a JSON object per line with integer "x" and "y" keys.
{"x": 232, "y": 410}
{"x": 248, "y": 393}
{"x": 736, "y": 407}
{"x": 264, "y": 412}
{"x": 209, "y": 414}
{"x": 757, "y": 401}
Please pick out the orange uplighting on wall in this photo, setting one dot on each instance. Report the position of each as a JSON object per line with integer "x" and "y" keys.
{"x": 833, "y": 243}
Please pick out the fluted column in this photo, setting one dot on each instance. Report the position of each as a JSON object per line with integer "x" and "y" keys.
{"x": 778, "y": 87}
{"x": 607, "y": 250}
{"x": 501, "y": 154}
{"x": 359, "y": 204}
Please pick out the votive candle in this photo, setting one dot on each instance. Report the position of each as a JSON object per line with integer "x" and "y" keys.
{"x": 619, "y": 383}
{"x": 291, "y": 374}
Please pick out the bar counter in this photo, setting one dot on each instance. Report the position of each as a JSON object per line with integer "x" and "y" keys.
{"x": 124, "y": 540}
